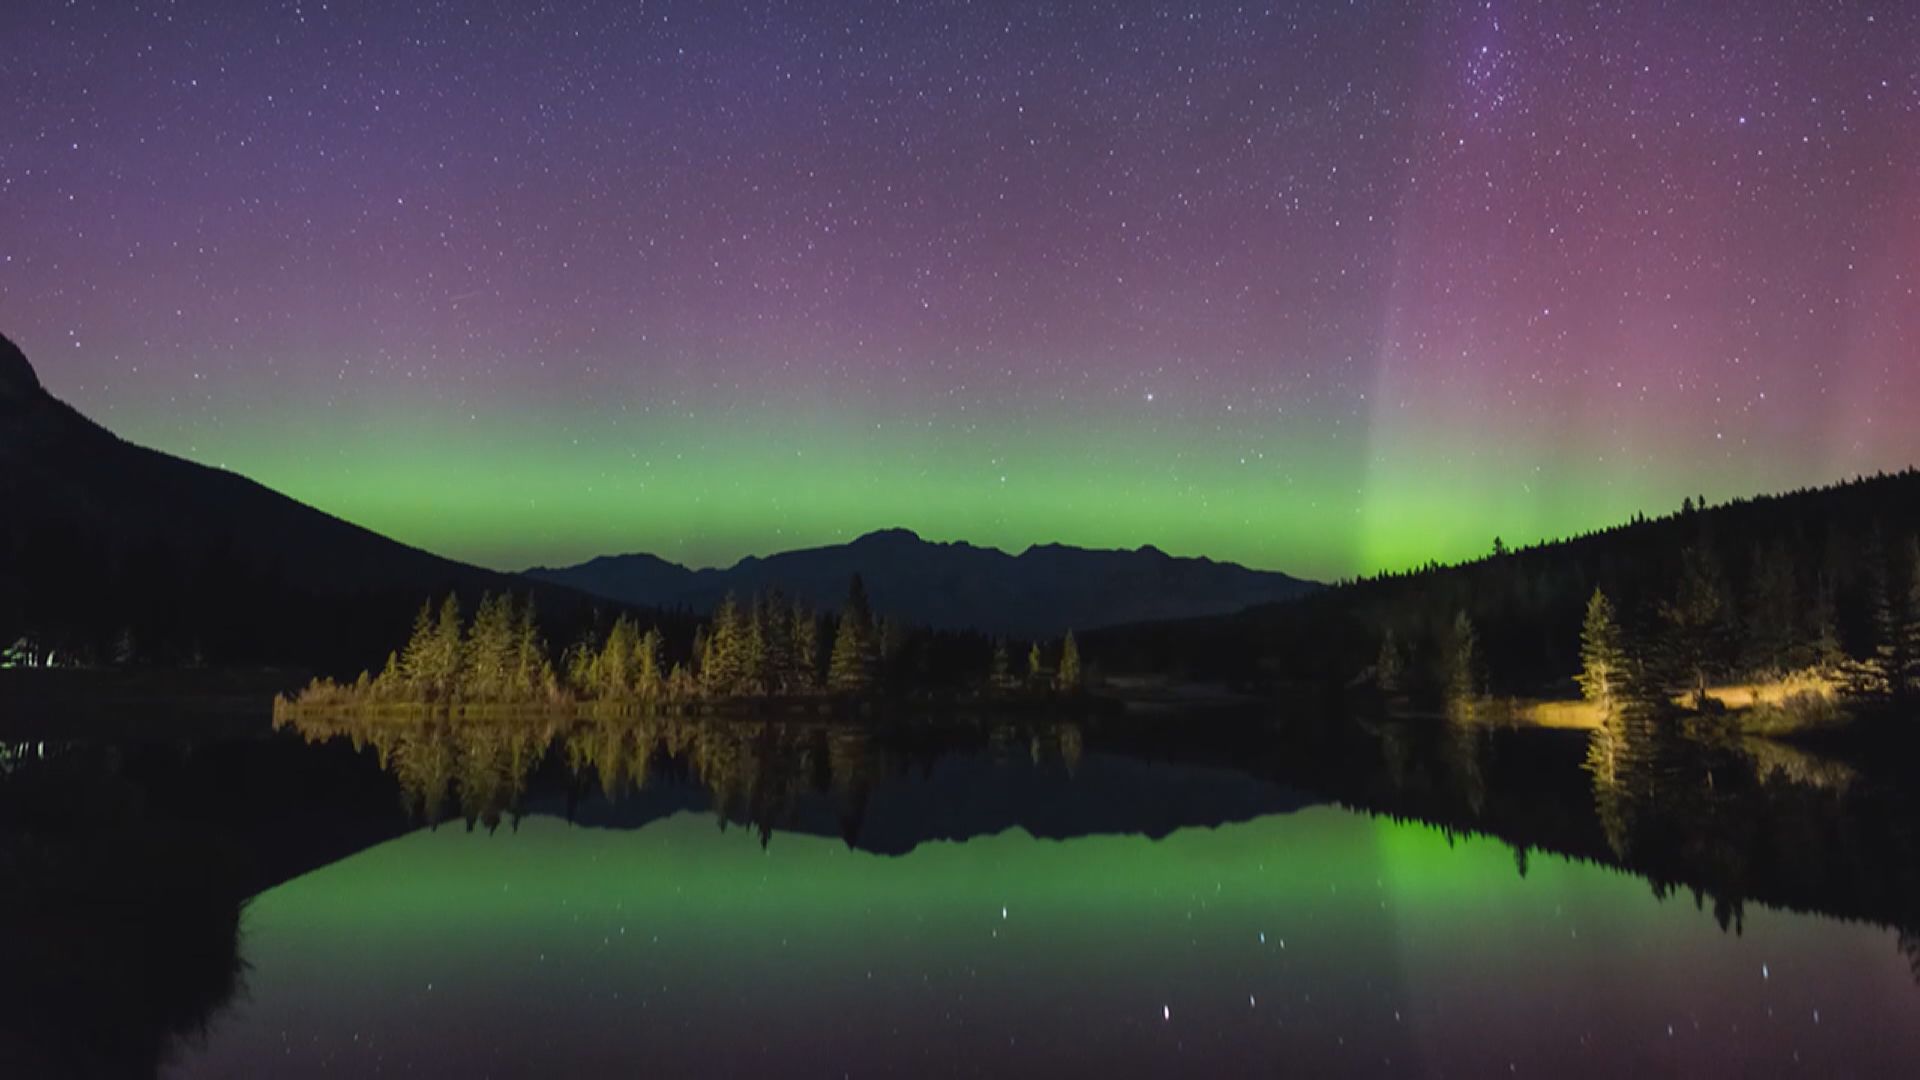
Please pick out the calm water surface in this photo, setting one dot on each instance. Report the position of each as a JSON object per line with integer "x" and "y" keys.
{"x": 735, "y": 897}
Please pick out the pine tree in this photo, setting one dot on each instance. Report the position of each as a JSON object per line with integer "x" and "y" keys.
{"x": 651, "y": 676}
{"x": 489, "y": 658}
{"x": 779, "y": 667}
{"x": 447, "y": 649}
{"x": 806, "y": 648}
{"x": 1036, "y": 663}
{"x": 733, "y": 651}
{"x": 1603, "y": 660}
{"x": 1069, "y": 678}
{"x": 582, "y": 665}
{"x": 1389, "y": 670}
{"x": 390, "y": 682}
{"x": 681, "y": 685}
{"x": 1909, "y": 628}
{"x": 416, "y": 660}
{"x": 1823, "y": 630}
{"x": 697, "y": 661}
{"x": 1697, "y": 623}
{"x": 847, "y": 668}
{"x": 1001, "y": 674}
{"x": 851, "y": 668}
{"x": 751, "y": 632}
{"x": 530, "y": 667}
{"x": 1878, "y": 675}
{"x": 1463, "y": 660}
{"x": 614, "y": 670}
{"x": 1772, "y": 612}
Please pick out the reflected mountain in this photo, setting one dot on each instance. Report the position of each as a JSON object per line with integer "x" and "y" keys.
{"x": 1733, "y": 821}
{"x": 124, "y": 869}
{"x": 884, "y": 789}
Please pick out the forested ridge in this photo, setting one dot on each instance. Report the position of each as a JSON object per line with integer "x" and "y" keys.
{"x": 1823, "y": 580}
{"x": 766, "y": 647}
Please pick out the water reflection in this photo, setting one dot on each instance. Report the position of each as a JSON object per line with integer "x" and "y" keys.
{"x": 1730, "y": 820}
{"x": 1751, "y": 831}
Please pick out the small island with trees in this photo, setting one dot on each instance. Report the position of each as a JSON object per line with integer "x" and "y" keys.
{"x": 766, "y": 650}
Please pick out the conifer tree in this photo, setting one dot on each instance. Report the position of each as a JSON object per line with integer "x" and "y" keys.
{"x": 847, "y": 669}
{"x": 697, "y": 661}
{"x": 851, "y": 668}
{"x": 1463, "y": 659}
{"x": 582, "y": 665}
{"x": 1878, "y": 675}
{"x": 1603, "y": 660}
{"x": 779, "y": 667}
{"x": 1036, "y": 664}
{"x": 806, "y": 647}
{"x": 530, "y": 667}
{"x": 1697, "y": 623}
{"x": 1823, "y": 629}
{"x": 1909, "y": 629}
{"x": 1001, "y": 674}
{"x": 416, "y": 660}
{"x": 651, "y": 676}
{"x": 388, "y": 683}
{"x": 751, "y": 632}
{"x": 681, "y": 685}
{"x": 614, "y": 671}
{"x": 727, "y": 668}
{"x": 489, "y": 658}
{"x": 447, "y": 648}
{"x": 1389, "y": 670}
{"x": 1069, "y": 679}
{"x": 1772, "y": 612}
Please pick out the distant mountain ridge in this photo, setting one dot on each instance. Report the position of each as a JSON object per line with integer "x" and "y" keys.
{"x": 1043, "y": 591}
{"x": 107, "y": 547}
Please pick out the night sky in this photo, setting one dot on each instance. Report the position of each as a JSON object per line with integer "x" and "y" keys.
{"x": 1323, "y": 287}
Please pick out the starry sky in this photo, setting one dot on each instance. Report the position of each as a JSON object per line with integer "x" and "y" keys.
{"x": 1325, "y": 287}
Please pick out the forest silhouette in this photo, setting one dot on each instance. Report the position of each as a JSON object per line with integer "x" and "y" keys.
{"x": 768, "y": 648}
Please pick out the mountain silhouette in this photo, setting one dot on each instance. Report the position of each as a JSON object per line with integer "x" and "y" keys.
{"x": 109, "y": 546}
{"x": 1043, "y": 591}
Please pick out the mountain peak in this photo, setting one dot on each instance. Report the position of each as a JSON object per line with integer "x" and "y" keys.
{"x": 17, "y": 379}
{"x": 889, "y": 536}
{"x": 953, "y": 585}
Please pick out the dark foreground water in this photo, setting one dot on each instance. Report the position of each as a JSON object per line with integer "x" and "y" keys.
{"x": 999, "y": 897}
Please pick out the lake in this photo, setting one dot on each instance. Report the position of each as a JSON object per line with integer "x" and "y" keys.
{"x": 984, "y": 895}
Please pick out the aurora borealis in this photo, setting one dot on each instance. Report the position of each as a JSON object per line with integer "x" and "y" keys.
{"x": 1324, "y": 941}
{"x": 1322, "y": 287}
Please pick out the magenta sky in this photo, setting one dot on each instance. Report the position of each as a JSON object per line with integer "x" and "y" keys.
{"x": 1319, "y": 286}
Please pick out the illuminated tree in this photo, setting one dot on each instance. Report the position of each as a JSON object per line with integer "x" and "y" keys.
{"x": 416, "y": 660}
{"x": 851, "y": 668}
{"x": 613, "y": 673}
{"x": 1069, "y": 678}
{"x": 1603, "y": 661}
{"x": 491, "y": 652}
{"x": 532, "y": 673}
{"x": 651, "y": 674}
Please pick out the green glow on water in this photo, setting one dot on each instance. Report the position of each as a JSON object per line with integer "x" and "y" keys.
{"x": 1322, "y": 939}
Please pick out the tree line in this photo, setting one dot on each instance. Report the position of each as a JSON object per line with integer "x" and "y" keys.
{"x": 1822, "y": 582}
{"x": 767, "y": 647}
{"x": 1824, "y": 586}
